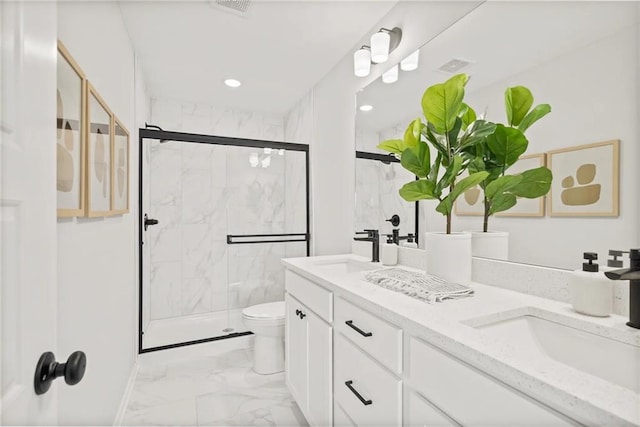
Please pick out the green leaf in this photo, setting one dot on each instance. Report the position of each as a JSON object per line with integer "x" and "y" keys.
{"x": 501, "y": 185}
{"x": 534, "y": 115}
{"x": 441, "y": 103}
{"x": 450, "y": 174}
{"x": 412, "y": 134}
{"x": 467, "y": 115}
{"x": 535, "y": 183}
{"x": 507, "y": 144}
{"x": 445, "y": 207}
{"x": 427, "y": 131}
{"x": 433, "y": 175}
{"x": 393, "y": 146}
{"x": 502, "y": 202}
{"x": 417, "y": 190}
{"x": 417, "y": 160}
{"x": 453, "y": 135}
{"x": 518, "y": 100}
{"x": 477, "y": 134}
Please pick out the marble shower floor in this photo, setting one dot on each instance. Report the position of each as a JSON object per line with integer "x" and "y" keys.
{"x": 219, "y": 390}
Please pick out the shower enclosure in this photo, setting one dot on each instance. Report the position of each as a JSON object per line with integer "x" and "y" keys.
{"x": 217, "y": 215}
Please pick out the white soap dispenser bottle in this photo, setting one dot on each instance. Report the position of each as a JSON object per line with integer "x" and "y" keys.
{"x": 389, "y": 253}
{"x": 591, "y": 291}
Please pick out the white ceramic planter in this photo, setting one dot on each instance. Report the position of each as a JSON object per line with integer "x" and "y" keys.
{"x": 449, "y": 256}
{"x": 492, "y": 244}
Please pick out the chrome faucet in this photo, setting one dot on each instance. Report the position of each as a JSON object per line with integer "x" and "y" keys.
{"x": 374, "y": 237}
{"x": 633, "y": 275}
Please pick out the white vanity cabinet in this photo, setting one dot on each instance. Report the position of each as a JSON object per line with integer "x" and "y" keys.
{"x": 309, "y": 349}
{"x": 467, "y": 395}
{"x": 350, "y": 366}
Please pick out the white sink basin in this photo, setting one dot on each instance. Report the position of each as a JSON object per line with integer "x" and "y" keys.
{"x": 532, "y": 337}
{"x": 345, "y": 266}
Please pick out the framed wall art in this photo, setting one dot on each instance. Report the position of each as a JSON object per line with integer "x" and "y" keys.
{"x": 526, "y": 207}
{"x": 585, "y": 180}
{"x": 70, "y": 135}
{"x": 99, "y": 133}
{"x": 471, "y": 203}
{"x": 119, "y": 169}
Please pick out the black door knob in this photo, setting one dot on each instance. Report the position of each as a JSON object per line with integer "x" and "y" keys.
{"x": 48, "y": 370}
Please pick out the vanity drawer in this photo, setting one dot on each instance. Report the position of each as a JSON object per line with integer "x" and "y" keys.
{"x": 380, "y": 339}
{"x": 420, "y": 413}
{"x": 315, "y": 297}
{"x": 469, "y": 396}
{"x": 367, "y": 392}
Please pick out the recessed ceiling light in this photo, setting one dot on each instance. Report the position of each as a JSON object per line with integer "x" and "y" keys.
{"x": 366, "y": 107}
{"x": 232, "y": 83}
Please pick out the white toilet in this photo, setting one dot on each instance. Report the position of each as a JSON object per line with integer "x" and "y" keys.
{"x": 266, "y": 321}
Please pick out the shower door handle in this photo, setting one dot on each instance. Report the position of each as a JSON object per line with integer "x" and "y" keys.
{"x": 149, "y": 221}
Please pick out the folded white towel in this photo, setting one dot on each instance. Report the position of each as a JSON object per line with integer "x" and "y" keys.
{"x": 422, "y": 286}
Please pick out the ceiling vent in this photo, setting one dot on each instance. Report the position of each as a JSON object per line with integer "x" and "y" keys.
{"x": 455, "y": 65}
{"x": 237, "y": 7}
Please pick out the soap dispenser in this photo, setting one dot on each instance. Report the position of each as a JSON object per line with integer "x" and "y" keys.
{"x": 591, "y": 291}
{"x": 389, "y": 252}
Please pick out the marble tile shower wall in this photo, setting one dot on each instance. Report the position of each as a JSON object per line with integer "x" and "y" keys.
{"x": 200, "y": 193}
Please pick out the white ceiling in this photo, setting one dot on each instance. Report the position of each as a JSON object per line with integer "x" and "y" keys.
{"x": 278, "y": 50}
{"x": 502, "y": 39}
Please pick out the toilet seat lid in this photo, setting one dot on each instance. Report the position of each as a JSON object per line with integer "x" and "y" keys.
{"x": 270, "y": 310}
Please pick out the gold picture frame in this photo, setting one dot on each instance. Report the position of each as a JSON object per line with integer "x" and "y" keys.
{"x": 119, "y": 168}
{"x": 532, "y": 208}
{"x": 71, "y": 90}
{"x": 99, "y": 131}
{"x": 596, "y": 168}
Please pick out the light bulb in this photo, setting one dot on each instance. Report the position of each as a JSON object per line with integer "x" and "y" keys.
{"x": 266, "y": 162}
{"x": 232, "y": 83}
{"x": 267, "y": 150}
{"x": 391, "y": 75}
{"x": 380, "y": 47}
{"x": 410, "y": 63}
{"x": 362, "y": 62}
{"x": 366, "y": 107}
{"x": 281, "y": 152}
{"x": 254, "y": 160}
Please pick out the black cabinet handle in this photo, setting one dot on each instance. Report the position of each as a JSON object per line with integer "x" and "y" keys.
{"x": 358, "y": 395}
{"x": 350, "y": 324}
{"x": 298, "y": 312}
{"x": 302, "y": 315}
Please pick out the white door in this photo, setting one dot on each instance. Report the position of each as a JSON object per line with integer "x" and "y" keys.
{"x": 27, "y": 207}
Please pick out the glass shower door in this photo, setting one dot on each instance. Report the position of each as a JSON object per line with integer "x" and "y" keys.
{"x": 198, "y": 269}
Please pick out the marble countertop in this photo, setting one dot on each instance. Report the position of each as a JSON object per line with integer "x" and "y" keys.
{"x": 449, "y": 325}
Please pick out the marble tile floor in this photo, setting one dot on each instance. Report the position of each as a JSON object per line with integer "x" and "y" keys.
{"x": 219, "y": 390}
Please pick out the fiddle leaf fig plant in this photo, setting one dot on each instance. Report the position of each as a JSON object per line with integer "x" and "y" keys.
{"x": 500, "y": 150}
{"x": 450, "y": 127}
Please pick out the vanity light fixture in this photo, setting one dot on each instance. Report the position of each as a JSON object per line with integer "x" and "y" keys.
{"x": 384, "y": 42}
{"x": 391, "y": 75}
{"x": 362, "y": 62}
{"x": 410, "y": 63}
{"x": 266, "y": 162}
{"x": 232, "y": 83}
{"x": 366, "y": 107}
{"x": 254, "y": 160}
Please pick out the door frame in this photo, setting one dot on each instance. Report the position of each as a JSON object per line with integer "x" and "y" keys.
{"x": 153, "y": 132}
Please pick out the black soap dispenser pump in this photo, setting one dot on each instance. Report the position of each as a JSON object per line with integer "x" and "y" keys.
{"x": 591, "y": 292}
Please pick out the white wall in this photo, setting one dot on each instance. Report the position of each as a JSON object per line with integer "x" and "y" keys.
{"x": 332, "y": 123}
{"x": 592, "y": 101}
{"x": 97, "y": 258}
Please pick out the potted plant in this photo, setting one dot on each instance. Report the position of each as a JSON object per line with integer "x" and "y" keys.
{"x": 450, "y": 128}
{"x": 495, "y": 155}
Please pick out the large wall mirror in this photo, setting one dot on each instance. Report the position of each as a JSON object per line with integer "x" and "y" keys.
{"x": 582, "y": 58}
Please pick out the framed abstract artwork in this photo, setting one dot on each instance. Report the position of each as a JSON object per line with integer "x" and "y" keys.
{"x": 99, "y": 132}
{"x": 119, "y": 169}
{"x": 70, "y": 135}
{"x": 585, "y": 180}
{"x": 471, "y": 203}
{"x": 526, "y": 207}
